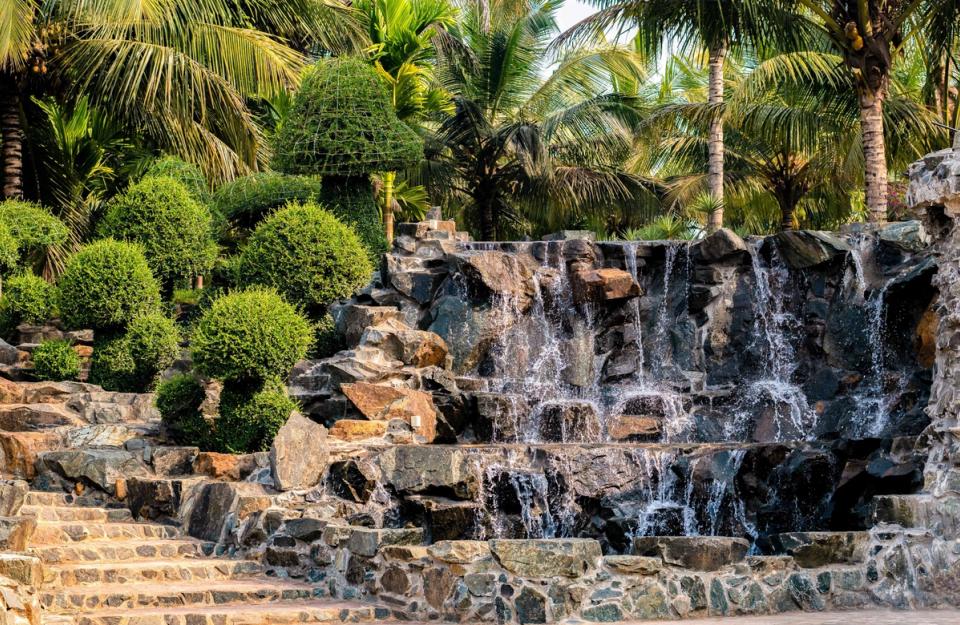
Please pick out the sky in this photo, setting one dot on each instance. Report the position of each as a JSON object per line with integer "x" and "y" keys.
{"x": 572, "y": 12}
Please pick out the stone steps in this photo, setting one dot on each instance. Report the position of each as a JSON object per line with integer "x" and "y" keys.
{"x": 114, "y": 596}
{"x": 59, "y": 499}
{"x": 66, "y": 532}
{"x": 123, "y": 551}
{"x": 271, "y": 614}
{"x": 149, "y": 571}
{"x": 921, "y": 511}
{"x": 77, "y": 513}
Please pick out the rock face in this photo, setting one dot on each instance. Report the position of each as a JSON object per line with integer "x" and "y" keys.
{"x": 383, "y": 403}
{"x": 298, "y": 456}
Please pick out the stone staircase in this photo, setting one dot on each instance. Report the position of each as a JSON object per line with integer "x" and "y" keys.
{"x": 103, "y": 568}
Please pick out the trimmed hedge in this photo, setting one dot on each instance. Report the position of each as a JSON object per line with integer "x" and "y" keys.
{"x": 187, "y": 174}
{"x": 33, "y": 226}
{"x": 353, "y": 202}
{"x": 178, "y": 400}
{"x": 250, "y": 335}
{"x": 9, "y": 249}
{"x": 106, "y": 285}
{"x": 246, "y": 201}
{"x": 27, "y": 299}
{"x": 306, "y": 254}
{"x": 56, "y": 360}
{"x": 248, "y": 422}
{"x": 175, "y": 230}
{"x": 131, "y": 362}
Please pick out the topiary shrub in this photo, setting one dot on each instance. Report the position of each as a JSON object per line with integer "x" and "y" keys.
{"x": 26, "y": 299}
{"x": 248, "y": 422}
{"x": 56, "y": 360}
{"x": 356, "y": 205}
{"x": 131, "y": 362}
{"x": 175, "y": 230}
{"x": 250, "y": 335}
{"x": 33, "y": 226}
{"x": 187, "y": 174}
{"x": 9, "y": 250}
{"x": 178, "y": 400}
{"x": 306, "y": 254}
{"x": 245, "y": 201}
{"x": 105, "y": 285}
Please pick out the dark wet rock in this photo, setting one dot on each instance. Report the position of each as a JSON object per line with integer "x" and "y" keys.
{"x": 802, "y": 249}
{"x": 699, "y": 553}
{"x": 352, "y": 481}
{"x": 495, "y": 273}
{"x": 908, "y": 236}
{"x": 353, "y": 319}
{"x": 569, "y": 422}
{"x": 531, "y": 607}
{"x": 721, "y": 245}
{"x": 429, "y": 470}
{"x": 443, "y": 519}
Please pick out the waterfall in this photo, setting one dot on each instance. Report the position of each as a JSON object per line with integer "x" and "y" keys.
{"x": 630, "y": 259}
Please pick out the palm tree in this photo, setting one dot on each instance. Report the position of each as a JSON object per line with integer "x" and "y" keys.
{"x": 176, "y": 73}
{"x": 718, "y": 26}
{"x": 518, "y": 150}
{"x": 402, "y": 34}
{"x": 869, "y": 34}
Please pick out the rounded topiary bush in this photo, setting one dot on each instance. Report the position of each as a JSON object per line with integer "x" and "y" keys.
{"x": 33, "y": 226}
{"x": 187, "y": 174}
{"x": 245, "y": 201}
{"x": 131, "y": 362}
{"x": 248, "y": 422}
{"x": 105, "y": 285}
{"x": 306, "y": 254}
{"x": 56, "y": 360}
{"x": 9, "y": 249}
{"x": 175, "y": 230}
{"x": 27, "y": 299}
{"x": 179, "y": 400}
{"x": 113, "y": 366}
{"x": 250, "y": 335}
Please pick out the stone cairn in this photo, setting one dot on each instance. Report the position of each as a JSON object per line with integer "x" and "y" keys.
{"x": 534, "y": 431}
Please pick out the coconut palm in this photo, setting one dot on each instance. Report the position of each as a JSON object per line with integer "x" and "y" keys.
{"x": 402, "y": 34}
{"x": 869, "y": 35}
{"x": 520, "y": 152}
{"x": 177, "y": 73}
{"x": 718, "y": 26}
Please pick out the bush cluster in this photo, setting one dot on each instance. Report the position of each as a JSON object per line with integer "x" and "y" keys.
{"x": 179, "y": 400}
{"x": 174, "y": 230}
{"x": 249, "y": 421}
{"x": 306, "y": 254}
{"x": 56, "y": 360}
{"x": 33, "y": 226}
{"x": 246, "y": 201}
{"x": 106, "y": 285}
{"x": 187, "y": 174}
{"x": 26, "y": 299}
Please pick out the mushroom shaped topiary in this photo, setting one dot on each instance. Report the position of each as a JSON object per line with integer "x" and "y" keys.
{"x": 342, "y": 126}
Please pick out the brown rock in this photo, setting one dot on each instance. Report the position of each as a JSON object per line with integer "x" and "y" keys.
{"x": 605, "y": 285}
{"x": 357, "y": 430}
{"x": 699, "y": 553}
{"x": 15, "y": 532}
{"x": 383, "y": 403}
{"x": 927, "y": 336}
{"x": 228, "y": 467}
{"x": 630, "y": 427}
{"x": 499, "y": 273}
{"x": 416, "y": 348}
{"x": 438, "y": 583}
{"x": 353, "y": 319}
{"x": 19, "y": 451}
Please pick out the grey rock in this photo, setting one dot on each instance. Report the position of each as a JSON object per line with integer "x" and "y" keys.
{"x": 299, "y": 454}
{"x": 99, "y": 467}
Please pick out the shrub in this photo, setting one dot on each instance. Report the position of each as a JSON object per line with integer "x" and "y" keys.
{"x": 28, "y": 299}
{"x": 327, "y": 340}
{"x": 9, "y": 249}
{"x": 187, "y": 174}
{"x": 247, "y": 200}
{"x": 174, "y": 229}
{"x": 248, "y": 422}
{"x": 32, "y": 225}
{"x": 131, "y": 362}
{"x": 250, "y": 335}
{"x": 56, "y": 360}
{"x": 105, "y": 285}
{"x": 306, "y": 254}
{"x": 112, "y": 365}
{"x": 178, "y": 400}
{"x": 356, "y": 205}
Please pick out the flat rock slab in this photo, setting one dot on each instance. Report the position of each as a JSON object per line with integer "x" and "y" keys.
{"x": 816, "y": 549}
{"x": 698, "y": 553}
{"x": 567, "y": 557}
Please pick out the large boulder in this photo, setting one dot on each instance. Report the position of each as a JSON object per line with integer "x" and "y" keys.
{"x": 698, "y": 553}
{"x": 353, "y": 319}
{"x": 383, "y": 403}
{"x": 817, "y": 549}
{"x": 721, "y": 245}
{"x": 495, "y": 273}
{"x": 298, "y": 455}
{"x": 19, "y": 451}
{"x": 429, "y": 470}
{"x": 98, "y": 467}
{"x": 416, "y": 348}
{"x": 802, "y": 249}
{"x": 217, "y": 508}
{"x": 603, "y": 285}
{"x": 548, "y": 559}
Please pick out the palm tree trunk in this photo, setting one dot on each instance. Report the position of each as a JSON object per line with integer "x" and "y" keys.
{"x": 787, "y": 211}
{"x": 874, "y": 153}
{"x": 715, "y": 144}
{"x": 389, "y": 178}
{"x": 11, "y": 134}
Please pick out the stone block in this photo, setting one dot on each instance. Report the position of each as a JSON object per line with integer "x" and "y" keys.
{"x": 698, "y": 553}
{"x": 816, "y": 549}
{"x": 299, "y": 454}
{"x": 547, "y": 558}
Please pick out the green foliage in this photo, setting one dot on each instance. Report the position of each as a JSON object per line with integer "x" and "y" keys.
{"x": 32, "y": 225}
{"x": 131, "y": 362}
{"x": 174, "y": 229}
{"x": 113, "y": 366}
{"x": 327, "y": 341}
{"x": 247, "y": 200}
{"x": 9, "y": 249}
{"x": 248, "y": 422}
{"x": 106, "y": 285}
{"x": 250, "y": 335}
{"x": 178, "y": 400}
{"x": 343, "y": 124}
{"x": 27, "y": 299}
{"x": 353, "y": 202}
{"x": 56, "y": 360}
{"x": 306, "y": 254}
{"x": 187, "y": 174}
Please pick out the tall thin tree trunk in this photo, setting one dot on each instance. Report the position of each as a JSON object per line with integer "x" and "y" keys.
{"x": 715, "y": 144}
{"x": 11, "y": 134}
{"x": 788, "y": 210}
{"x": 389, "y": 178}
{"x": 874, "y": 153}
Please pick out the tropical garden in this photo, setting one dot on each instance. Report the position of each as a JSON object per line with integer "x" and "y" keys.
{"x": 223, "y": 171}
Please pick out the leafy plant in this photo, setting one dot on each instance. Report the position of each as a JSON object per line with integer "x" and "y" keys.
{"x": 249, "y": 421}
{"x": 179, "y": 400}
{"x": 246, "y": 201}
{"x": 26, "y": 299}
{"x": 187, "y": 174}
{"x": 56, "y": 360}
{"x": 106, "y": 285}
{"x": 305, "y": 253}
